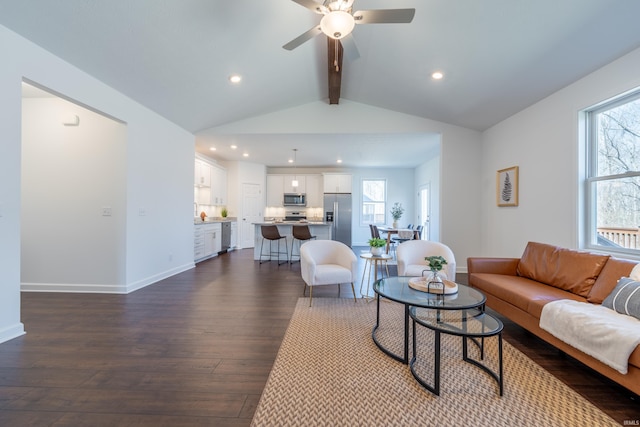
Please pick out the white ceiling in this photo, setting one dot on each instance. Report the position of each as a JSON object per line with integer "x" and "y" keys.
{"x": 175, "y": 57}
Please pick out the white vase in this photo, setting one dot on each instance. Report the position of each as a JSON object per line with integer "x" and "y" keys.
{"x": 377, "y": 251}
{"x": 395, "y": 224}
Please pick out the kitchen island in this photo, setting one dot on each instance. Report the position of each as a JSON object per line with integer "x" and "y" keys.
{"x": 322, "y": 231}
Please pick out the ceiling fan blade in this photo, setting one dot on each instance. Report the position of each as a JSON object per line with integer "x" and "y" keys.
{"x": 384, "y": 16}
{"x": 313, "y": 6}
{"x": 308, "y": 35}
{"x": 350, "y": 48}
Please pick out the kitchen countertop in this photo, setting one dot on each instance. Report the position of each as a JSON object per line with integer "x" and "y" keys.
{"x": 208, "y": 220}
{"x": 292, "y": 223}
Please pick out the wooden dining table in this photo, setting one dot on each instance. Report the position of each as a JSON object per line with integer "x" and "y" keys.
{"x": 391, "y": 231}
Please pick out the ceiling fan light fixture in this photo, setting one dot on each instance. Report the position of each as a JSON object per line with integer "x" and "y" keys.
{"x": 341, "y": 5}
{"x": 337, "y": 24}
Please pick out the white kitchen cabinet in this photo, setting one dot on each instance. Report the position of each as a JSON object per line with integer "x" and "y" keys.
{"x": 314, "y": 191}
{"x": 218, "y": 186}
{"x": 198, "y": 242}
{"x": 207, "y": 240}
{"x": 212, "y": 239}
{"x": 288, "y": 188}
{"x": 275, "y": 189}
{"x": 337, "y": 183}
{"x": 202, "y": 174}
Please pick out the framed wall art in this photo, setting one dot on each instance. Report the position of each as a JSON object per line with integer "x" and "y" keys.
{"x": 507, "y": 187}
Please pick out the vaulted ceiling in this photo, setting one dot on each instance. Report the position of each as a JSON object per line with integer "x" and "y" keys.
{"x": 176, "y": 56}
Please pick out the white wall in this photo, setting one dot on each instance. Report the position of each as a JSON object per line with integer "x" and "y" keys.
{"x": 543, "y": 141}
{"x": 69, "y": 173}
{"x": 159, "y": 174}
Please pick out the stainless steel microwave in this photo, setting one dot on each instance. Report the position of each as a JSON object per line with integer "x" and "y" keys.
{"x": 294, "y": 199}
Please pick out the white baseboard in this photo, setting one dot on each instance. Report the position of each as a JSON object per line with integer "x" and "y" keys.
{"x": 103, "y": 289}
{"x": 157, "y": 277}
{"x": 73, "y": 288}
{"x": 12, "y": 332}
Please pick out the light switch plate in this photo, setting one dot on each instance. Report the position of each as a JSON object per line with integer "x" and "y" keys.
{"x": 106, "y": 211}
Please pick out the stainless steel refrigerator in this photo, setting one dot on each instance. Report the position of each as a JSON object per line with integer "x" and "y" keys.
{"x": 337, "y": 209}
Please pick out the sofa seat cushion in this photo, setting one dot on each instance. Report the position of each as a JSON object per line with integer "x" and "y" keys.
{"x": 566, "y": 269}
{"x": 539, "y": 301}
{"x": 520, "y": 291}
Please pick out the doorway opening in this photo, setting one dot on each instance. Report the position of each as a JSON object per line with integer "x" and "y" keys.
{"x": 424, "y": 215}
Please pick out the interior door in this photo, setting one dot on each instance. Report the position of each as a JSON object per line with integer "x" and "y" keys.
{"x": 424, "y": 214}
{"x": 251, "y": 213}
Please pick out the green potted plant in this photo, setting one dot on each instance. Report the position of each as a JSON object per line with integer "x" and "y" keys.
{"x": 396, "y": 213}
{"x": 436, "y": 264}
{"x": 376, "y": 244}
{"x": 224, "y": 212}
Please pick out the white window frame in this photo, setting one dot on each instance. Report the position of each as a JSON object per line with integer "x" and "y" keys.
{"x": 590, "y": 238}
{"x": 364, "y": 222}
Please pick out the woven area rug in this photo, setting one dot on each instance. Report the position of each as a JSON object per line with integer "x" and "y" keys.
{"x": 328, "y": 372}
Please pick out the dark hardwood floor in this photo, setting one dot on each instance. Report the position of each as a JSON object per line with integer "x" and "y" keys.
{"x": 192, "y": 350}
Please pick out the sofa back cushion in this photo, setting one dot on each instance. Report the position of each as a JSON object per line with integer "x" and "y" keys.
{"x": 613, "y": 270}
{"x": 566, "y": 269}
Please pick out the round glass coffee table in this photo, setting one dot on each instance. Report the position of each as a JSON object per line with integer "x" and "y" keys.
{"x": 397, "y": 289}
{"x": 471, "y": 324}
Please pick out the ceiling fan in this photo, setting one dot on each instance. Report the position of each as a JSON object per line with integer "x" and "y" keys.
{"x": 337, "y": 23}
{"x": 339, "y": 20}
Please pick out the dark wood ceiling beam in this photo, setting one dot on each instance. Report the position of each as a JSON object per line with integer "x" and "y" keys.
{"x": 334, "y": 50}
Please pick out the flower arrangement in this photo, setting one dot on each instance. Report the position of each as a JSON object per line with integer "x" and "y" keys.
{"x": 436, "y": 262}
{"x": 396, "y": 211}
{"x": 376, "y": 242}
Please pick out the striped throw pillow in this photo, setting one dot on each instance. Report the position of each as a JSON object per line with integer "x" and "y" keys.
{"x": 625, "y": 298}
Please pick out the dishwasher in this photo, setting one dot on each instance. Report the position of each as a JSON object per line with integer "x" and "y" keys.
{"x": 226, "y": 236}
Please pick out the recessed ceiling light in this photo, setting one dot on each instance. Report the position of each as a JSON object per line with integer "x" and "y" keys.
{"x": 233, "y": 147}
{"x": 437, "y": 75}
{"x": 290, "y": 160}
{"x": 235, "y": 78}
{"x": 339, "y": 161}
{"x": 212, "y": 148}
{"x": 245, "y": 154}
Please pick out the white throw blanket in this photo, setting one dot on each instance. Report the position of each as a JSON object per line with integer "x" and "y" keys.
{"x": 593, "y": 329}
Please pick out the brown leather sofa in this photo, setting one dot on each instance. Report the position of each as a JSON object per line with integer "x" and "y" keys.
{"x": 518, "y": 288}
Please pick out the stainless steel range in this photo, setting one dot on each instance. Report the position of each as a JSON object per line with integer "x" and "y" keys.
{"x": 295, "y": 216}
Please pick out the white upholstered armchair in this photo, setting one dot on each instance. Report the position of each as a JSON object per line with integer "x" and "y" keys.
{"x": 411, "y": 256}
{"x": 327, "y": 262}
